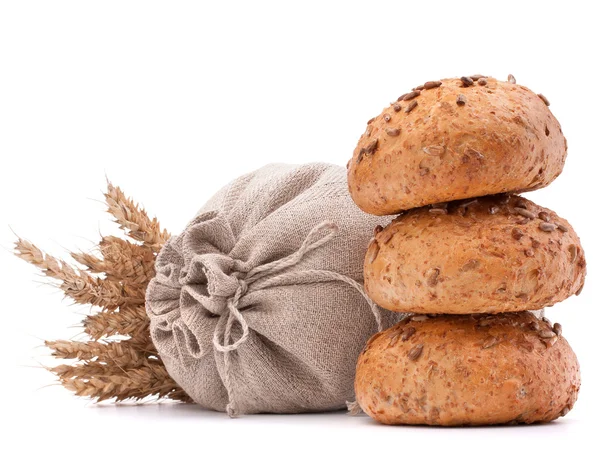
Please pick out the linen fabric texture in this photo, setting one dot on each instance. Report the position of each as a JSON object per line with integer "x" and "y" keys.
{"x": 257, "y": 306}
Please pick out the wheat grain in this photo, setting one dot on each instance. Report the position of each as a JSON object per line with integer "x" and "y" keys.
{"x": 121, "y": 261}
{"x": 109, "y": 382}
{"x": 121, "y": 353}
{"x": 134, "y": 220}
{"x": 118, "y": 369}
{"x": 77, "y": 284}
{"x": 127, "y": 321}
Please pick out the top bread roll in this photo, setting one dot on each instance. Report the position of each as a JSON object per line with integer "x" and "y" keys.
{"x": 454, "y": 139}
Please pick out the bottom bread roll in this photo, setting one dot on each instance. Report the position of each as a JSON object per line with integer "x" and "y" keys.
{"x": 452, "y": 370}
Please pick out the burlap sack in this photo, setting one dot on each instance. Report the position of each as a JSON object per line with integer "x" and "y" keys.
{"x": 255, "y": 306}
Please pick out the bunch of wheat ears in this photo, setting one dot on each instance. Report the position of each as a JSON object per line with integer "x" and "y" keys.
{"x": 118, "y": 361}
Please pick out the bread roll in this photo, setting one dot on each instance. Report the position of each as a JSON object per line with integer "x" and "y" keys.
{"x": 456, "y": 139}
{"x": 455, "y": 370}
{"x": 486, "y": 255}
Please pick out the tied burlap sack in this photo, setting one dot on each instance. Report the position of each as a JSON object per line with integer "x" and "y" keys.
{"x": 258, "y": 305}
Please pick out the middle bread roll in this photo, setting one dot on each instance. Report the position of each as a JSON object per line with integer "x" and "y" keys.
{"x": 485, "y": 255}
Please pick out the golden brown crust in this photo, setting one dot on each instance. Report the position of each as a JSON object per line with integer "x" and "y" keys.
{"x": 434, "y": 148}
{"x": 467, "y": 370}
{"x": 487, "y": 255}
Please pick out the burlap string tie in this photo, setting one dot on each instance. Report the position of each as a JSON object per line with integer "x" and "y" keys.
{"x": 265, "y": 276}
{"x": 253, "y": 309}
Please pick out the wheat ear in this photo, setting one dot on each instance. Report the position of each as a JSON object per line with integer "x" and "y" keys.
{"x": 121, "y": 261}
{"x": 78, "y": 284}
{"x": 119, "y": 360}
{"x": 124, "y": 353}
{"x": 134, "y": 220}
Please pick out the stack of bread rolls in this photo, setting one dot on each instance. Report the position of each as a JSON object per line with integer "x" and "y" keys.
{"x": 467, "y": 257}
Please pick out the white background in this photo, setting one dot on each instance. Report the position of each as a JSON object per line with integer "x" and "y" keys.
{"x": 171, "y": 100}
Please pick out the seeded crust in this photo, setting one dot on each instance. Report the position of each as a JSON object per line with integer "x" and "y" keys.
{"x": 456, "y": 370}
{"x": 487, "y": 255}
{"x": 456, "y": 141}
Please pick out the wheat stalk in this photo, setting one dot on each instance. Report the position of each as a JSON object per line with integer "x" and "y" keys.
{"x": 128, "y": 366}
{"x": 124, "y": 353}
{"x": 121, "y": 260}
{"x": 134, "y": 220}
{"x": 78, "y": 284}
{"x": 110, "y": 382}
{"x": 127, "y": 321}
